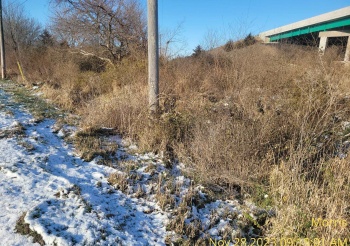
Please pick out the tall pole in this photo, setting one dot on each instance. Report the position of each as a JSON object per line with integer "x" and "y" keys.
{"x": 2, "y": 45}
{"x": 153, "y": 56}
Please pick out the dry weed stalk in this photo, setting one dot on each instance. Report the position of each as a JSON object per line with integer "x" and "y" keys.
{"x": 259, "y": 116}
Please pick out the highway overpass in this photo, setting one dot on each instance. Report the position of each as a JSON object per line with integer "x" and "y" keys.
{"x": 325, "y": 26}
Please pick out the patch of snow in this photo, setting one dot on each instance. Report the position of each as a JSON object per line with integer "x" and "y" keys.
{"x": 70, "y": 202}
{"x": 58, "y": 192}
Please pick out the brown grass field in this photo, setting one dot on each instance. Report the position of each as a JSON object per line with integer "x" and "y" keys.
{"x": 267, "y": 123}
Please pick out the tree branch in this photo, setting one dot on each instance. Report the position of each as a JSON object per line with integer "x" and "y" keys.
{"x": 85, "y": 53}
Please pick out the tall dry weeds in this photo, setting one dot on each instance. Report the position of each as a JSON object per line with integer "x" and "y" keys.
{"x": 261, "y": 116}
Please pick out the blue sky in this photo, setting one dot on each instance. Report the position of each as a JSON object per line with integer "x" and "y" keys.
{"x": 198, "y": 22}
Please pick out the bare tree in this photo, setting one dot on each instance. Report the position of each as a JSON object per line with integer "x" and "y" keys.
{"x": 172, "y": 42}
{"x": 21, "y": 31}
{"x": 212, "y": 39}
{"x": 107, "y": 29}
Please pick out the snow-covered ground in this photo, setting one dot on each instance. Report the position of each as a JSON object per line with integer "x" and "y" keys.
{"x": 66, "y": 200}
{"x": 72, "y": 202}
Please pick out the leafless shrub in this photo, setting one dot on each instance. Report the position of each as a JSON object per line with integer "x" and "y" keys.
{"x": 229, "y": 46}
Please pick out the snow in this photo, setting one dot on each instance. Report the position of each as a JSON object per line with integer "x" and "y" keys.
{"x": 60, "y": 195}
{"x": 69, "y": 201}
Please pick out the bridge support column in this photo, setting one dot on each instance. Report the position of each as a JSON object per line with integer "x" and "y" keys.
{"x": 323, "y": 44}
{"x": 332, "y": 34}
{"x": 347, "y": 52}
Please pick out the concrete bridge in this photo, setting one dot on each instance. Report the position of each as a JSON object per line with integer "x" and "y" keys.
{"x": 329, "y": 25}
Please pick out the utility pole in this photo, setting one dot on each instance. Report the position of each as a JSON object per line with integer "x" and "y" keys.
{"x": 2, "y": 46}
{"x": 153, "y": 56}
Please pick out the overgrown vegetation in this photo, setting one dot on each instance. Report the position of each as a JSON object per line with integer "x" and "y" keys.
{"x": 250, "y": 120}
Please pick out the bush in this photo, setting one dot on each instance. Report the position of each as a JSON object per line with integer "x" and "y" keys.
{"x": 198, "y": 51}
{"x": 91, "y": 63}
{"x": 229, "y": 46}
{"x": 247, "y": 41}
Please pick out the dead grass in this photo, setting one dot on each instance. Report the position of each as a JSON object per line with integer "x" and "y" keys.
{"x": 119, "y": 181}
{"x": 255, "y": 120}
{"x": 23, "y": 228}
{"x": 300, "y": 200}
{"x": 92, "y": 142}
{"x": 39, "y": 108}
{"x": 17, "y": 130}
